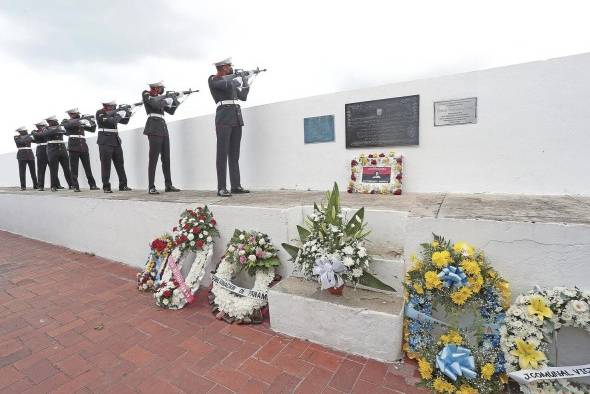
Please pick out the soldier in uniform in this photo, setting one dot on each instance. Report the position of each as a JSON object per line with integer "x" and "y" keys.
{"x": 156, "y": 103}
{"x": 227, "y": 89}
{"x": 25, "y": 157}
{"x": 78, "y": 149}
{"x": 41, "y": 153}
{"x": 57, "y": 154}
{"x": 109, "y": 144}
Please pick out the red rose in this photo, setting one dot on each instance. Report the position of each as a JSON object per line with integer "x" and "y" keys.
{"x": 167, "y": 293}
{"x": 175, "y": 229}
{"x": 399, "y": 161}
{"x": 174, "y": 282}
{"x": 399, "y": 176}
{"x": 201, "y": 218}
{"x": 382, "y": 155}
{"x": 350, "y": 190}
{"x": 352, "y": 177}
{"x": 398, "y": 192}
{"x": 370, "y": 156}
{"x": 199, "y": 243}
{"x": 196, "y": 230}
{"x": 374, "y": 162}
{"x": 186, "y": 226}
{"x": 354, "y": 163}
{"x": 213, "y": 222}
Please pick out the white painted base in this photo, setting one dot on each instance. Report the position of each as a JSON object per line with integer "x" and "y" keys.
{"x": 349, "y": 323}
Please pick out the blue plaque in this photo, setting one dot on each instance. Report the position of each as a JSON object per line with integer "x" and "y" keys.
{"x": 318, "y": 129}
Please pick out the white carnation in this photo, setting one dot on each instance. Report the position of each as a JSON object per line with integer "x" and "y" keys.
{"x": 192, "y": 243}
{"x": 348, "y": 261}
{"x": 241, "y": 237}
{"x": 205, "y": 233}
{"x": 362, "y": 252}
{"x": 200, "y": 235}
{"x": 231, "y": 249}
{"x": 242, "y": 252}
{"x": 165, "y": 301}
{"x": 252, "y": 257}
{"x": 191, "y": 236}
{"x": 262, "y": 241}
{"x": 209, "y": 239}
{"x": 348, "y": 250}
{"x": 357, "y": 272}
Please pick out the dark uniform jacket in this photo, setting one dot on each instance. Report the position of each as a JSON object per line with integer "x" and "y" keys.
{"x": 109, "y": 120}
{"x": 227, "y": 89}
{"x": 157, "y": 105}
{"x": 38, "y": 139}
{"x": 23, "y": 140}
{"x": 53, "y": 133}
{"x": 75, "y": 127}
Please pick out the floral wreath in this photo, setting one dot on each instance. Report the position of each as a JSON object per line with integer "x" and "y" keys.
{"x": 391, "y": 159}
{"x": 160, "y": 248}
{"x": 193, "y": 244}
{"x": 527, "y": 334}
{"x": 252, "y": 252}
{"x": 458, "y": 278}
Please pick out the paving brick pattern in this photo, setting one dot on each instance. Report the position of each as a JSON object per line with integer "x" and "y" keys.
{"x": 74, "y": 323}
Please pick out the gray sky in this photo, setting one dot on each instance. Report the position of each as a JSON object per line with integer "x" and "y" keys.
{"x": 55, "y": 55}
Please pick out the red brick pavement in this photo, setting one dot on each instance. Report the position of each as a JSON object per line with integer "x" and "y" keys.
{"x": 74, "y": 323}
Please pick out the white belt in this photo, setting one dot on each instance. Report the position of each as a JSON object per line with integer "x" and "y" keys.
{"x": 42, "y": 144}
{"x": 24, "y": 148}
{"x": 228, "y": 102}
{"x": 110, "y": 130}
{"x": 156, "y": 116}
{"x": 77, "y": 136}
{"x": 56, "y": 142}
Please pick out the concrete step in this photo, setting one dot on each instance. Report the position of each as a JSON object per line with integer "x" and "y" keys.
{"x": 361, "y": 322}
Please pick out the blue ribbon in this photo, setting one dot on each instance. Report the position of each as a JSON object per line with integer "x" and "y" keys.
{"x": 455, "y": 361}
{"x": 453, "y": 276}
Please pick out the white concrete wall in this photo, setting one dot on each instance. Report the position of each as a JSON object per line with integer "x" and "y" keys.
{"x": 531, "y": 137}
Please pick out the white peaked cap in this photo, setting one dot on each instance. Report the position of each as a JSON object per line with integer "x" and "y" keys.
{"x": 73, "y": 111}
{"x": 41, "y": 123}
{"x": 223, "y": 62}
{"x": 159, "y": 84}
{"x": 112, "y": 102}
{"x": 52, "y": 117}
{"x": 22, "y": 128}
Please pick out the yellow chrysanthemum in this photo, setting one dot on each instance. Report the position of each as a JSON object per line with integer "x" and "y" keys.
{"x": 538, "y": 307}
{"x": 442, "y": 386}
{"x": 505, "y": 292}
{"x": 416, "y": 264}
{"x": 471, "y": 267}
{"x": 475, "y": 283}
{"x": 441, "y": 259}
{"x": 434, "y": 244}
{"x": 487, "y": 371}
{"x": 467, "y": 389}
{"x": 463, "y": 248}
{"x": 528, "y": 356}
{"x": 451, "y": 337}
{"x": 419, "y": 289}
{"x": 432, "y": 280}
{"x": 460, "y": 296}
{"x": 425, "y": 369}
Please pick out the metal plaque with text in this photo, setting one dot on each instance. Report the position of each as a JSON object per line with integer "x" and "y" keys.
{"x": 455, "y": 112}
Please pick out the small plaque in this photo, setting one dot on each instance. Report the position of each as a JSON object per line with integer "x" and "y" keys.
{"x": 318, "y": 129}
{"x": 455, "y": 112}
{"x": 376, "y": 173}
{"x": 387, "y": 122}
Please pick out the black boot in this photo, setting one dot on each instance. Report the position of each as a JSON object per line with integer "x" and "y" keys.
{"x": 171, "y": 189}
{"x": 107, "y": 190}
{"x": 239, "y": 190}
{"x": 124, "y": 189}
{"x": 94, "y": 187}
{"x": 223, "y": 193}
{"x": 153, "y": 191}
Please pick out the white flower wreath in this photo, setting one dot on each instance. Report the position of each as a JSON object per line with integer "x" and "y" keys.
{"x": 527, "y": 334}
{"x": 169, "y": 293}
{"x": 234, "y": 305}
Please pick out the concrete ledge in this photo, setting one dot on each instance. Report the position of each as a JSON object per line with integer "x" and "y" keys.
{"x": 360, "y": 322}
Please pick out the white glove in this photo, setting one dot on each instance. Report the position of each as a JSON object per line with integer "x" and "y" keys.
{"x": 85, "y": 122}
{"x": 122, "y": 113}
{"x": 180, "y": 95}
{"x": 132, "y": 107}
{"x": 168, "y": 101}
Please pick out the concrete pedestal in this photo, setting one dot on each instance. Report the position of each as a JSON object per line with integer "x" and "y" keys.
{"x": 361, "y": 322}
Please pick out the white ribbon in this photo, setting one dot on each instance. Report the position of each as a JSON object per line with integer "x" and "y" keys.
{"x": 525, "y": 376}
{"x": 328, "y": 270}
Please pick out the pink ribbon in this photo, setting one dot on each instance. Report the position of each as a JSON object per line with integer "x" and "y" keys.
{"x": 188, "y": 295}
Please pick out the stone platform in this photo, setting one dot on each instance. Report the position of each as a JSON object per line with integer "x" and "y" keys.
{"x": 530, "y": 240}
{"x": 299, "y": 309}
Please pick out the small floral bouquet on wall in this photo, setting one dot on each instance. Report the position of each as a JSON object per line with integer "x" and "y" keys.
{"x": 376, "y": 173}
{"x": 196, "y": 229}
{"x": 333, "y": 249}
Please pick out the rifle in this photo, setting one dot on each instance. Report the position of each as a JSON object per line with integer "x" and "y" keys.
{"x": 88, "y": 117}
{"x": 244, "y": 73}
{"x": 128, "y": 107}
{"x": 175, "y": 94}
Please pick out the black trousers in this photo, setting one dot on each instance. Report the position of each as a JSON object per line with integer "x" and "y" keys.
{"x": 115, "y": 154}
{"x": 84, "y": 157}
{"x": 228, "y": 151}
{"x": 22, "y": 172}
{"x": 159, "y": 146}
{"x": 57, "y": 155}
{"x": 42, "y": 163}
